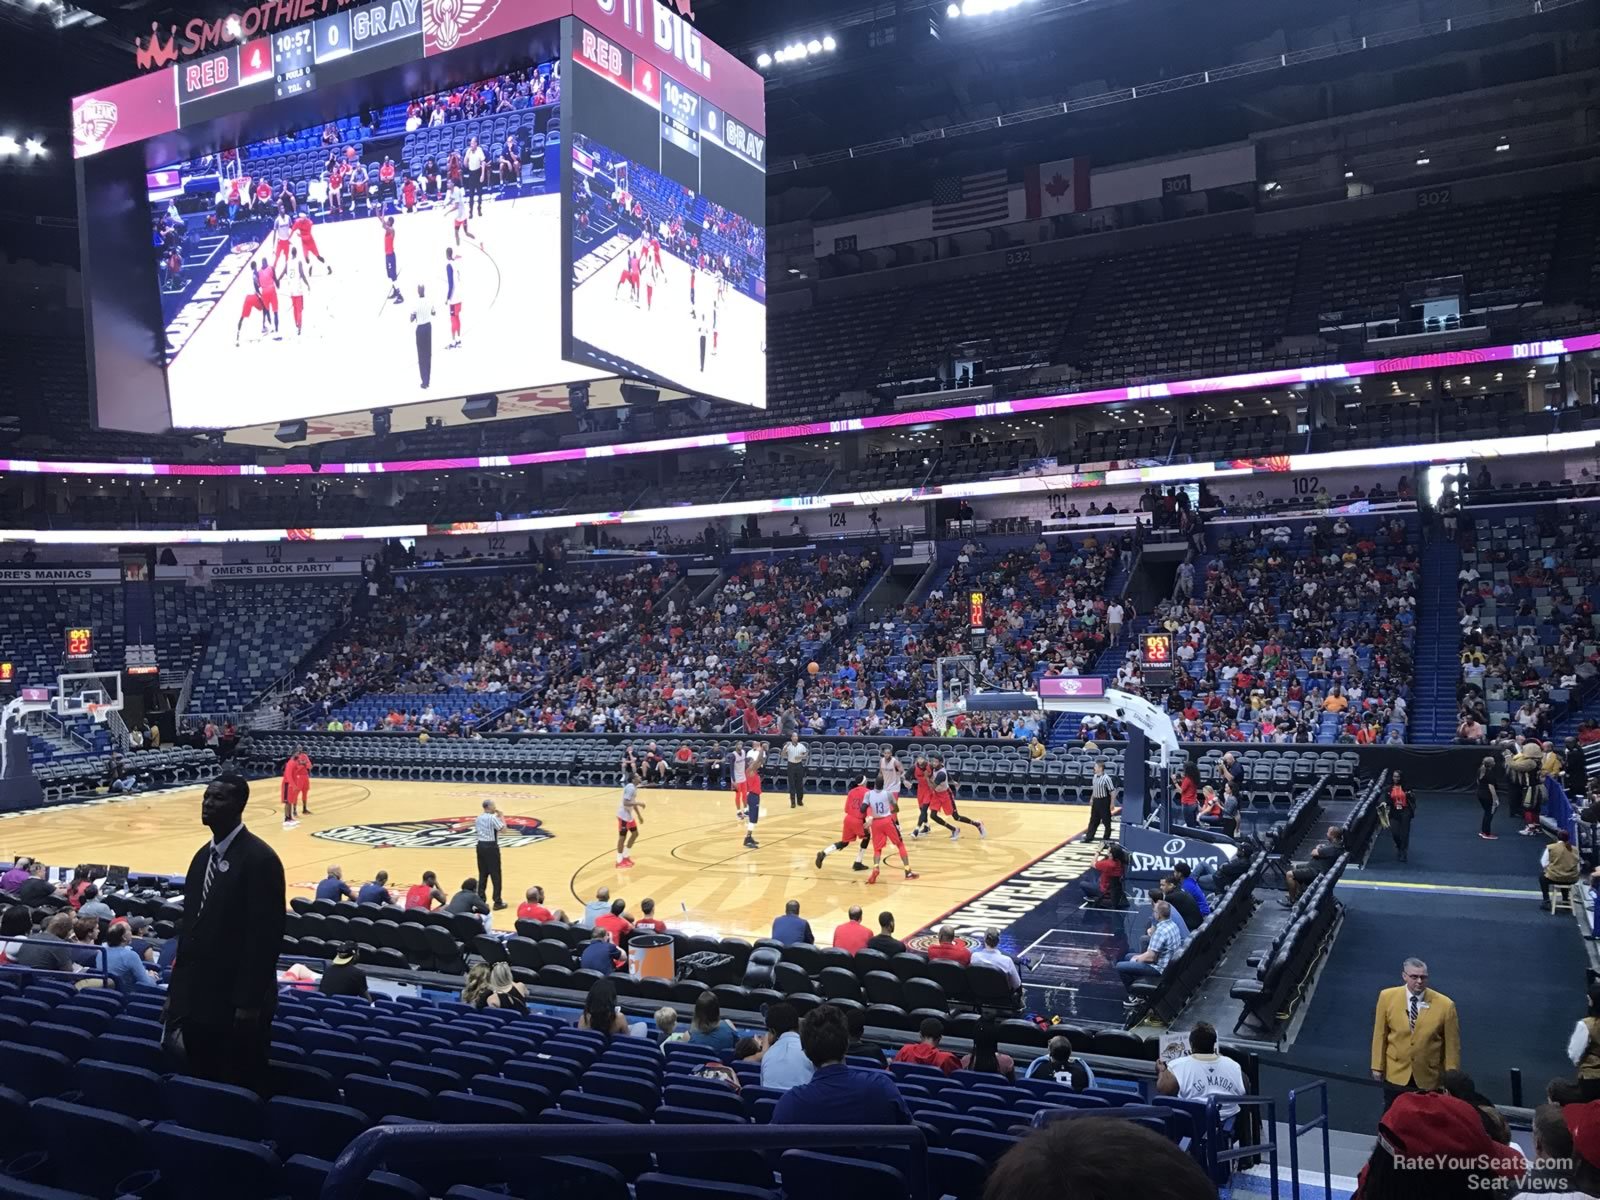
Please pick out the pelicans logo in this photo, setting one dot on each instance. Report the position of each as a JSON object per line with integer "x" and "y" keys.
{"x": 446, "y": 22}
{"x": 436, "y": 833}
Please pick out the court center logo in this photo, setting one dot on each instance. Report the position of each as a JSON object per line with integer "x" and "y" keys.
{"x": 436, "y": 833}
{"x": 446, "y": 22}
{"x": 92, "y": 123}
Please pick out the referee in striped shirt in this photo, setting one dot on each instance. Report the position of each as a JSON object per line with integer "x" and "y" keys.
{"x": 487, "y": 827}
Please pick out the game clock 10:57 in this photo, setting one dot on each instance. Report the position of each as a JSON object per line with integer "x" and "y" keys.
{"x": 80, "y": 643}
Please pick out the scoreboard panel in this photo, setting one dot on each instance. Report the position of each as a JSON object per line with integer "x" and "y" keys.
{"x": 80, "y": 643}
{"x": 667, "y": 196}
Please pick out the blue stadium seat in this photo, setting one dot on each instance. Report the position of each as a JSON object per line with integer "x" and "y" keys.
{"x": 530, "y": 1097}
{"x": 676, "y": 1187}
{"x": 809, "y": 1173}
{"x": 703, "y": 1099}
{"x": 34, "y": 1072}
{"x": 132, "y": 1052}
{"x": 304, "y": 1176}
{"x": 461, "y": 1108}
{"x": 218, "y": 1108}
{"x": 379, "y": 1098}
{"x": 303, "y": 1082}
{"x": 131, "y": 1091}
{"x": 431, "y": 1079}
{"x": 196, "y": 1164}
{"x": 308, "y": 1127}
{"x": 990, "y": 1147}
{"x": 88, "y": 1149}
{"x": 71, "y": 1043}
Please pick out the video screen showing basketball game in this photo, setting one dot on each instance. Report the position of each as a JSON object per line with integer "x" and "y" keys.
{"x": 407, "y": 253}
{"x": 667, "y": 225}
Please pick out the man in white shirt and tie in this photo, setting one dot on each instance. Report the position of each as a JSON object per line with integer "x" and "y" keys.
{"x": 487, "y": 829}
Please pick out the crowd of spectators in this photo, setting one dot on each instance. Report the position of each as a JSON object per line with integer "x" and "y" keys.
{"x": 1280, "y": 642}
{"x": 555, "y": 650}
{"x": 1517, "y": 673}
{"x": 1047, "y": 609}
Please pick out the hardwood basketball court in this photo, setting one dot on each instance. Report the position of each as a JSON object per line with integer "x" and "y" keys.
{"x": 690, "y": 855}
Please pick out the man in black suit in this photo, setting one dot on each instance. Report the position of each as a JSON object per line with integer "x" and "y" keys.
{"x": 225, "y": 978}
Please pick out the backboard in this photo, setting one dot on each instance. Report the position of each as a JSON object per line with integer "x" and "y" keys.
{"x": 88, "y": 693}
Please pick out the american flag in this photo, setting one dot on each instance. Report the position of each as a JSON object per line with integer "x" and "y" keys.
{"x": 966, "y": 200}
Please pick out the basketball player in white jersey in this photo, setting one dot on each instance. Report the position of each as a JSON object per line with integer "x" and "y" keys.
{"x": 282, "y": 229}
{"x": 628, "y": 820}
{"x": 458, "y": 209}
{"x": 892, "y": 770}
{"x": 755, "y": 759}
{"x": 453, "y": 295}
{"x": 296, "y": 283}
{"x": 736, "y": 764}
{"x": 881, "y": 808}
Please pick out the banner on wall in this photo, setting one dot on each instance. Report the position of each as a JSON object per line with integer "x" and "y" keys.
{"x": 1222, "y": 167}
{"x": 17, "y": 576}
{"x": 271, "y": 570}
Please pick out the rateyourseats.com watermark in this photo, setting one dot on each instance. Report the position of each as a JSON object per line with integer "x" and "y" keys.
{"x": 1490, "y": 1171}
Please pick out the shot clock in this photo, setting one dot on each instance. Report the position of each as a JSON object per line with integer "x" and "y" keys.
{"x": 80, "y": 643}
{"x": 1155, "y": 659}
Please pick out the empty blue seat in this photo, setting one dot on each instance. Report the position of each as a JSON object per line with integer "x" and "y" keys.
{"x": 303, "y": 1082}
{"x": 990, "y": 1147}
{"x": 959, "y": 1174}
{"x": 723, "y": 1101}
{"x": 133, "y": 1052}
{"x": 304, "y": 1176}
{"x": 215, "y": 1107}
{"x": 89, "y": 1149}
{"x": 601, "y": 1106}
{"x": 196, "y": 1164}
{"x": 63, "y": 1039}
{"x": 34, "y": 1072}
{"x": 313, "y": 1128}
{"x": 431, "y": 1079}
{"x": 655, "y": 1186}
{"x": 379, "y": 1098}
{"x": 131, "y": 1091}
{"x": 462, "y": 1108}
{"x": 617, "y": 1087}
{"x": 809, "y": 1173}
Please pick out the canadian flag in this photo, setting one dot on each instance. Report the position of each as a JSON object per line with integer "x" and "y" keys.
{"x": 1058, "y": 187}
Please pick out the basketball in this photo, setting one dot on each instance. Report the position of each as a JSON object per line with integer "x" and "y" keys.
{"x": 812, "y": 668}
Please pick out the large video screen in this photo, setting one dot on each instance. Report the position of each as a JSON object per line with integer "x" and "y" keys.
{"x": 666, "y": 222}
{"x": 410, "y": 252}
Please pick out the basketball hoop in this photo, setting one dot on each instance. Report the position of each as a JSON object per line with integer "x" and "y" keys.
{"x": 97, "y": 713}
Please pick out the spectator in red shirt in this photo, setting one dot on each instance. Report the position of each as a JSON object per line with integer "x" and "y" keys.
{"x": 533, "y": 909}
{"x": 926, "y": 1052}
{"x": 614, "y": 923}
{"x": 948, "y": 947}
{"x": 648, "y": 922}
{"x": 852, "y": 935}
{"x": 1110, "y": 866}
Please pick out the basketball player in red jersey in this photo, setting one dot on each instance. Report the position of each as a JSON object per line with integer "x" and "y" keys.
{"x": 655, "y": 252}
{"x": 282, "y": 228}
{"x": 290, "y": 789}
{"x": 302, "y": 779}
{"x": 855, "y": 827}
{"x": 390, "y": 264}
{"x": 263, "y": 201}
{"x": 308, "y": 242}
{"x": 297, "y": 283}
{"x": 254, "y": 302}
{"x": 629, "y": 277}
{"x": 267, "y": 279}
